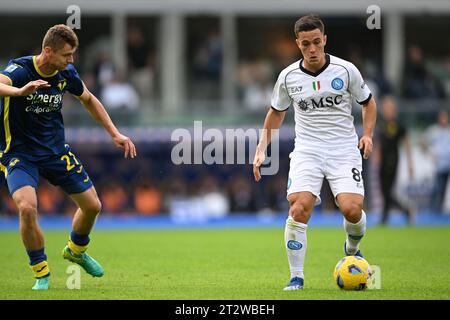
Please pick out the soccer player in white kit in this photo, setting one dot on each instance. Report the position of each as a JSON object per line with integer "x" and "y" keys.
{"x": 320, "y": 88}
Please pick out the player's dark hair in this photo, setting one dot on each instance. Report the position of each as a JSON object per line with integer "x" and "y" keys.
{"x": 309, "y": 23}
{"x": 58, "y": 35}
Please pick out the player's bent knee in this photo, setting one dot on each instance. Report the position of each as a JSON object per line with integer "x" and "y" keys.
{"x": 25, "y": 206}
{"x": 98, "y": 207}
{"x": 27, "y": 211}
{"x": 298, "y": 212}
{"x": 352, "y": 211}
{"x": 94, "y": 208}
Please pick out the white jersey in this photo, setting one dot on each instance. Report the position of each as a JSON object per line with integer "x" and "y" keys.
{"x": 322, "y": 102}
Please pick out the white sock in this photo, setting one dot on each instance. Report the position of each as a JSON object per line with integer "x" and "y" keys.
{"x": 295, "y": 242}
{"x": 355, "y": 232}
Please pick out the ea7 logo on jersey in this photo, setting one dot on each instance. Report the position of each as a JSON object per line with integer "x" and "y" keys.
{"x": 294, "y": 90}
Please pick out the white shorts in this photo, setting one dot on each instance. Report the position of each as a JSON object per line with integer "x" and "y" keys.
{"x": 341, "y": 167}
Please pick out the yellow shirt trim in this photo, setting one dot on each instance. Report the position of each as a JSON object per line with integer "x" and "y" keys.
{"x": 4, "y": 170}
{"x": 6, "y": 125}
{"x": 42, "y": 74}
{"x": 10, "y": 80}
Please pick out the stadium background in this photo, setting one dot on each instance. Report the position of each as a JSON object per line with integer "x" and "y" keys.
{"x": 209, "y": 231}
{"x": 161, "y": 65}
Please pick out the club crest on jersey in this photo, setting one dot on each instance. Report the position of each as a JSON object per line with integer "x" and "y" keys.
{"x": 337, "y": 83}
{"x": 316, "y": 85}
{"x": 62, "y": 84}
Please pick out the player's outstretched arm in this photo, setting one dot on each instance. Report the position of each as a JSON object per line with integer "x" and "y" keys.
{"x": 98, "y": 112}
{"x": 273, "y": 120}
{"x": 7, "y": 90}
{"x": 369, "y": 116}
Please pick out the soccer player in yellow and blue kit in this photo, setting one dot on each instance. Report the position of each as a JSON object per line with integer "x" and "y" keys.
{"x": 32, "y": 144}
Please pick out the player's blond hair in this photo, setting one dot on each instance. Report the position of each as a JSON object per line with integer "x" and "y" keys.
{"x": 58, "y": 35}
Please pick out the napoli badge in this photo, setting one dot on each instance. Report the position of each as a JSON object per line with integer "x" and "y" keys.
{"x": 337, "y": 84}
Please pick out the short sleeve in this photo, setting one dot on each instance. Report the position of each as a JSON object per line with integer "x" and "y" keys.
{"x": 358, "y": 87}
{"x": 74, "y": 82}
{"x": 281, "y": 100}
{"x": 16, "y": 73}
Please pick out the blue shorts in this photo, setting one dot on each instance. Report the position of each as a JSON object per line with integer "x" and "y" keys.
{"x": 64, "y": 170}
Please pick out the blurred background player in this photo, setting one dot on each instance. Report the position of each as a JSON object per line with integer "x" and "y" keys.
{"x": 32, "y": 141}
{"x": 392, "y": 135}
{"x": 436, "y": 141}
{"x": 320, "y": 87}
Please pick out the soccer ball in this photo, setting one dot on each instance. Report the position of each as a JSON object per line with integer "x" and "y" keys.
{"x": 352, "y": 273}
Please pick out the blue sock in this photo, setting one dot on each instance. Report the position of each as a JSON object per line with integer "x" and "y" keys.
{"x": 78, "y": 239}
{"x": 36, "y": 256}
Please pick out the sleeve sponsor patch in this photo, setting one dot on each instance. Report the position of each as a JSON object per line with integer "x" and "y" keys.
{"x": 11, "y": 68}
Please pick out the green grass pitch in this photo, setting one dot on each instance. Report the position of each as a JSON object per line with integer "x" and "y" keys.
{"x": 218, "y": 264}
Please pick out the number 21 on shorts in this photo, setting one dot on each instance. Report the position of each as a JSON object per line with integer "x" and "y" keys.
{"x": 69, "y": 165}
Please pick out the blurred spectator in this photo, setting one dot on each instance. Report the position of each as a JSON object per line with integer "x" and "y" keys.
{"x": 437, "y": 142}
{"x": 114, "y": 197}
{"x": 213, "y": 197}
{"x": 208, "y": 57}
{"x": 207, "y": 67}
{"x": 391, "y": 135}
{"x": 255, "y": 81}
{"x": 439, "y": 68}
{"x": 208, "y": 202}
{"x": 445, "y": 67}
{"x": 7, "y": 205}
{"x": 371, "y": 72}
{"x": 241, "y": 194}
{"x": 283, "y": 52}
{"x": 103, "y": 70}
{"x": 418, "y": 82}
{"x": 175, "y": 189}
{"x": 140, "y": 65}
{"x": 181, "y": 189}
{"x": 119, "y": 94}
{"x": 147, "y": 198}
{"x": 277, "y": 194}
{"x": 69, "y": 207}
{"x": 50, "y": 198}
{"x": 376, "y": 80}
{"x": 90, "y": 81}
